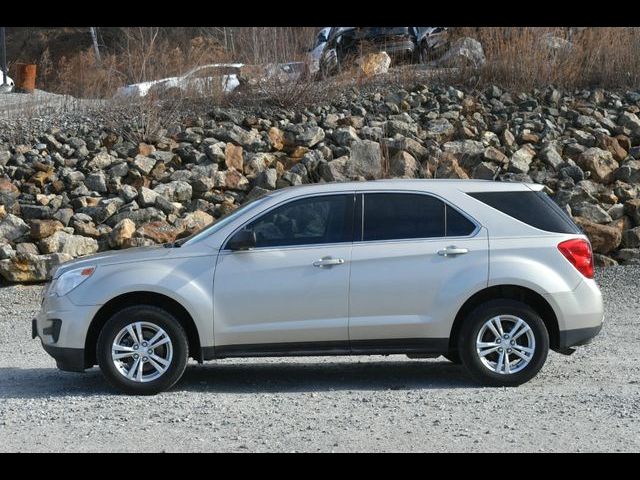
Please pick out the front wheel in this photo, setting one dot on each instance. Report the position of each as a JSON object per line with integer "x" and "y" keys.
{"x": 503, "y": 343}
{"x": 142, "y": 350}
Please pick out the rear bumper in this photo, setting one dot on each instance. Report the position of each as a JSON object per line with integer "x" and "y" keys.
{"x": 578, "y": 336}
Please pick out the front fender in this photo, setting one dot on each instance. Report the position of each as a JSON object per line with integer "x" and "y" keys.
{"x": 188, "y": 281}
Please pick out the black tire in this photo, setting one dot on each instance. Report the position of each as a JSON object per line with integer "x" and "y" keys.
{"x": 453, "y": 356}
{"x": 158, "y": 317}
{"x": 471, "y": 328}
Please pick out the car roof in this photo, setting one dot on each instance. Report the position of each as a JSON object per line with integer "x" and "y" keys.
{"x": 427, "y": 185}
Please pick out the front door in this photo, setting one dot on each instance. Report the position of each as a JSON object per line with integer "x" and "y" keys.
{"x": 290, "y": 293}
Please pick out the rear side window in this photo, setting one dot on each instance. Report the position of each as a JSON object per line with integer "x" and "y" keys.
{"x": 457, "y": 224}
{"x": 396, "y": 216}
{"x": 390, "y": 216}
{"x": 533, "y": 208}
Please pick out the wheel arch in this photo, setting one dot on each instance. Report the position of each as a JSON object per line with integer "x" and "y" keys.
{"x": 141, "y": 298}
{"x": 512, "y": 292}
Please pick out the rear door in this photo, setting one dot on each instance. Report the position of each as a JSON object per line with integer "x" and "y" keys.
{"x": 417, "y": 260}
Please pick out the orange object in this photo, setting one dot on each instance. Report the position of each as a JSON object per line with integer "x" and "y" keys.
{"x": 26, "y": 80}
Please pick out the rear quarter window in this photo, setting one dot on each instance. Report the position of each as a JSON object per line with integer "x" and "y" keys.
{"x": 533, "y": 208}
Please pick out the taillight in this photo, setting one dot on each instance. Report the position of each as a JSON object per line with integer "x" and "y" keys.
{"x": 578, "y": 252}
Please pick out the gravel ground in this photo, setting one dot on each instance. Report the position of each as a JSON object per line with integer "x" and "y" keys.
{"x": 589, "y": 401}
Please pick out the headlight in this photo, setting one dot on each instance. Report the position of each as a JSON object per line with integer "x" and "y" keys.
{"x": 70, "y": 280}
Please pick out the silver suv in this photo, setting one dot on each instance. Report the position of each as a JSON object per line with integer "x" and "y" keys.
{"x": 488, "y": 274}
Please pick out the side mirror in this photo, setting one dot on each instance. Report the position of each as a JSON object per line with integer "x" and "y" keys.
{"x": 242, "y": 240}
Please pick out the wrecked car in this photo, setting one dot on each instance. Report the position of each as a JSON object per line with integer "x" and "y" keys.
{"x": 218, "y": 76}
{"x": 402, "y": 44}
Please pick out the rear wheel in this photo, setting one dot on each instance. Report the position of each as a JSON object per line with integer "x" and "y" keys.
{"x": 142, "y": 350}
{"x": 503, "y": 343}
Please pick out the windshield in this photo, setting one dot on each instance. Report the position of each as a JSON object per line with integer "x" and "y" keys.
{"x": 222, "y": 221}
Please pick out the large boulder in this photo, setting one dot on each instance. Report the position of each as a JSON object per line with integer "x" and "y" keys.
{"x": 448, "y": 167}
{"x": 604, "y": 238}
{"x": 160, "y": 232}
{"x": 31, "y": 268}
{"x": 373, "y": 64}
{"x": 464, "y": 52}
{"x": 599, "y": 162}
{"x": 121, "y": 233}
{"x": 365, "y": 160}
{"x": 404, "y": 165}
{"x": 468, "y": 152}
{"x": 74, "y": 245}
{"x": 12, "y": 228}
{"x": 176, "y": 191}
{"x": 521, "y": 159}
{"x": 44, "y": 228}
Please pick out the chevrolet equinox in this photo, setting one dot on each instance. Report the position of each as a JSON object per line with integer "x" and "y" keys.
{"x": 491, "y": 275}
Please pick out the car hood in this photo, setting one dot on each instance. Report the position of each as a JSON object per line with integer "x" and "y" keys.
{"x": 130, "y": 255}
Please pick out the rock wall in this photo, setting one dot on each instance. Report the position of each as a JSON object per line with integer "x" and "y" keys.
{"x": 81, "y": 189}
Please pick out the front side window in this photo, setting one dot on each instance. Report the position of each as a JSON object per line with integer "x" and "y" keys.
{"x": 308, "y": 221}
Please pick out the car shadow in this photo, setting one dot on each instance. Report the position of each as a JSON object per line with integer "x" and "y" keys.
{"x": 251, "y": 377}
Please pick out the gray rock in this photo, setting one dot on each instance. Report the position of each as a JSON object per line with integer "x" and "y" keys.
{"x": 267, "y": 179}
{"x": 629, "y": 172}
{"x": 485, "y": 171}
{"x": 468, "y": 152}
{"x": 139, "y": 217}
{"x": 366, "y": 159}
{"x": 144, "y": 164}
{"x": 176, "y": 191}
{"x": 631, "y": 238}
{"x": 626, "y": 256}
{"x": 146, "y": 197}
{"x": 406, "y": 129}
{"x": 310, "y": 136}
{"x": 599, "y": 162}
{"x": 100, "y": 161}
{"x": 247, "y": 139}
{"x": 629, "y": 120}
{"x": 439, "y": 130}
{"x": 550, "y": 155}
{"x": 12, "y": 228}
{"x": 27, "y": 248}
{"x": 96, "y": 182}
{"x": 128, "y": 193}
{"x": 404, "y": 165}
{"x": 521, "y": 160}
{"x": 31, "y": 268}
{"x": 616, "y": 211}
{"x": 6, "y": 251}
{"x": 345, "y": 136}
{"x": 592, "y": 212}
{"x": 73, "y": 245}
{"x": 40, "y": 212}
{"x": 464, "y": 52}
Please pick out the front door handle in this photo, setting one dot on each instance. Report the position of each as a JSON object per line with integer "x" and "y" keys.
{"x": 452, "y": 250}
{"x": 328, "y": 261}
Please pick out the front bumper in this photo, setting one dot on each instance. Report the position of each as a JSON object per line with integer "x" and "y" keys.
{"x": 68, "y": 359}
{"x": 62, "y": 329}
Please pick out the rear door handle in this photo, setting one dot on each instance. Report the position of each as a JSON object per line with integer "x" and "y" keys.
{"x": 452, "y": 250}
{"x": 328, "y": 261}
